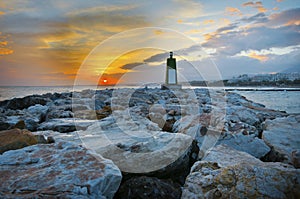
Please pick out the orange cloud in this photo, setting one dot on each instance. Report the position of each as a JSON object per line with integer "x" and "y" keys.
{"x": 293, "y": 22}
{"x": 208, "y": 36}
{"x": 258, "y": 57}
{"x": 4, "y": 49}
{"x": 2, "y": 13}
{"x": 275, "y": 8}
{"x": 261, "y": 9}
{"x": 258, "y": 5}
{"x": 233, "y": 11}
{"x": 225, "y": 21}
{"x": 195, "y": 31}
{"x": 158, "y": 32}
{"x": 208, "y": 21}
{"x": 280, "y": 0}
{"x": 179, "y": 21}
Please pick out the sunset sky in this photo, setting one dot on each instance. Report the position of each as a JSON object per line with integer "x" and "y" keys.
{"x": 45, "y": 42}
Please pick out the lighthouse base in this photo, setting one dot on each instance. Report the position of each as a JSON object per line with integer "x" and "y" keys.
{"x": 171, "y": 86}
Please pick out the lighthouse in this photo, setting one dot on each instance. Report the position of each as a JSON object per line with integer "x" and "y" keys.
{"x": 171, "y": 74}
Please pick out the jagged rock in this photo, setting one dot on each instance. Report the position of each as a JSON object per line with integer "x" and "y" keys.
{"x": 282, "y": 135}
{"x": 148, "y": 187}
{"x": 65, "y": 125}
{"x": 227, "y": 173}
{"x": 16, "y": 139}
{"x": 247, "y": 143}
{"x": 25, "y": 102}
{"x": 60, "y": 170}
{"x": 59, "y": 112}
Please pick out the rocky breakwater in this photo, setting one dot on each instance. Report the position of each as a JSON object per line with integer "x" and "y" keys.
{"x": 154, "y": 137}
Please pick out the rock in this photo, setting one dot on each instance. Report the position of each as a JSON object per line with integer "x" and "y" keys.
{"x": 38, "y": 110}
{"x": 247, "y": 143}
{"x": 140, "y": 148}
{"x": 85, "y": 114}
{"x": 296, "y": 159}
{"x": 226, "y": 156}
{"x": 60, "y": 170}
{"x": 227, "y": 173}
{"x": 34, "y": 115}
{"x": 104, "y": 112}
{"x": 201, "y": 128}
{"x": 246, "y": 115}
{"x": 64, "y": 111}
{"x": 172, "y": 112}
{"x": 20, "y": 125}
{"x": 148, "y": 187}
{"x": 4, "y": 124}
{"x": 16, "y": 139}
{"x": 25, "y": 102}
{"x": 65, "y": 125}
{"x": 54, "y": 136}
{"x": 282, "y": 135}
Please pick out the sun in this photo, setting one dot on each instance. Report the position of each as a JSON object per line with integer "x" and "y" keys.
{"x": 105, "y": 81}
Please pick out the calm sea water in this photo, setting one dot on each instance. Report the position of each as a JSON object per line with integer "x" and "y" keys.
{"x": 288, "y": 101}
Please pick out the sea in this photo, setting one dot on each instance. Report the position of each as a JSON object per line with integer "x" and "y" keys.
{"x": 283, "y": 99}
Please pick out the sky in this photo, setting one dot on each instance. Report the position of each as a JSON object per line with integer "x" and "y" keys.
{"x": 60, "y": 42}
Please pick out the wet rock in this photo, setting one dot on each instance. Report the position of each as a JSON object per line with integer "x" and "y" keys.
{"x": 227, "y": 173}
{"x": 148, "y": 187}
{"x": 60, "y": 170}
{"x": 15, "y": 139}
{"x": 282, "y": 135}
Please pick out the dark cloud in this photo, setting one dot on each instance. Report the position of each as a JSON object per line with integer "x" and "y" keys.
{"x": 258, "y": 18}
{"x": 130, "y": 66}
{"x": 256, "y": 38}
{"x": 284, "y": 17}
{"x": 229, "y": 27}
{"x": 157, "y": 58}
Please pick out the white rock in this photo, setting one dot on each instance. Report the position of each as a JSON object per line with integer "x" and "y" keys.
{"x": 283, "y": 136}
{"x": 60, "y": 170}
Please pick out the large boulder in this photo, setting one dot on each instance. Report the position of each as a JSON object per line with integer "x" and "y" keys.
{"x": 16, "y": 139}
{"x": 283, "y": 136}
{"x": 141, "y": 148}
{"x": 60, "y": 170}
{"x": 227, "y": 173}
